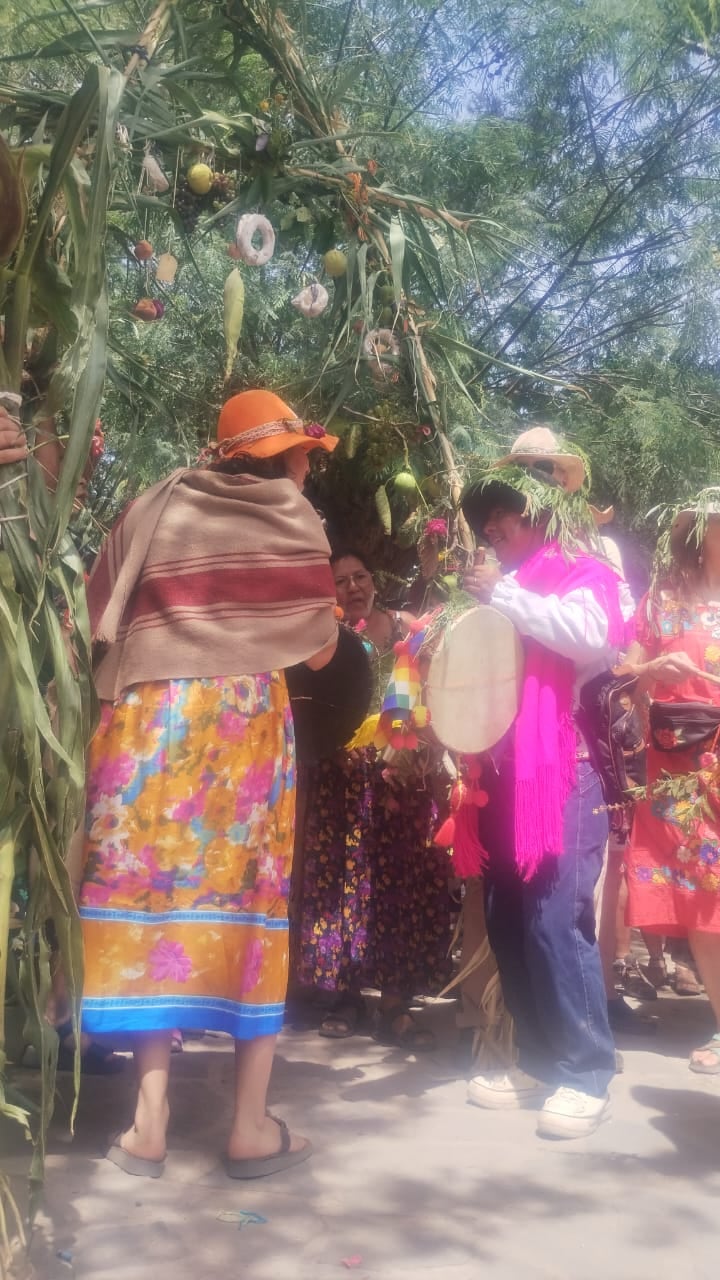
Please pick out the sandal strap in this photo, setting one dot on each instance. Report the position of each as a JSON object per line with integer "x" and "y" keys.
{"x": 284, "y": 1133}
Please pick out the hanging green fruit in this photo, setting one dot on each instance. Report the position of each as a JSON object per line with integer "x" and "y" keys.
{"x": 383, "y": 509}
{"x": 352, "y": 440}
{"x": 405, "y": 482}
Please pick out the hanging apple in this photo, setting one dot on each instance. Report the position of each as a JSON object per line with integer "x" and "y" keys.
{"x": 145, "y": 309}
{"x": 149, "y": 309}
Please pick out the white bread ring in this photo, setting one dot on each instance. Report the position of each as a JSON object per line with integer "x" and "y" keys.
{"x": 312, "y": 300}
{"x": 379, "y": 343}
{"x": 249, "y": 225}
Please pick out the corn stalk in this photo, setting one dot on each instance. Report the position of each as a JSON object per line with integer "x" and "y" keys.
{"x": 55, "y": 258}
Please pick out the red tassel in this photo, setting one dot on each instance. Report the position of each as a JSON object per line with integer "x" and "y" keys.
{"x": 469, "y": 855}
{"x": 459, "y": 831}
{"x": 445, "y": 834}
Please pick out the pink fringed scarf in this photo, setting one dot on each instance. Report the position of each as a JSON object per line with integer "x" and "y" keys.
{"x": 545, "y": 740}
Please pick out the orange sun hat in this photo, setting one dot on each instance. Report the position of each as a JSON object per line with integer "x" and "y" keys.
{"x": 261, "y": 425}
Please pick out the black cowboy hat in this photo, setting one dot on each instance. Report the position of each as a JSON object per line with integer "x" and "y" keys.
{"x": 480, "y": 497}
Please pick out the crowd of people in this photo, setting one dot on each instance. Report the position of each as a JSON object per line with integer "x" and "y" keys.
{"x": 219, "y": 579}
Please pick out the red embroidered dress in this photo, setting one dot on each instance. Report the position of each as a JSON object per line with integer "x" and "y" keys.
{"x": 673, "y": 878}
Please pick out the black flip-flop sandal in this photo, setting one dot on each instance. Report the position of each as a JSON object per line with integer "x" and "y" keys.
{"x": 138, "y": 1166}
{"x": 413, "y": 1038}
{"x": 263, "y": 1166}
{"x": 343, "y": 1021}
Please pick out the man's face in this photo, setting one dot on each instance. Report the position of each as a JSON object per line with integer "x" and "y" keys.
{"x": 511, "y": 536}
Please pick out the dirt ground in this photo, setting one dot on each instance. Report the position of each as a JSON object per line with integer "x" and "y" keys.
{"x": 407, "y": 1181}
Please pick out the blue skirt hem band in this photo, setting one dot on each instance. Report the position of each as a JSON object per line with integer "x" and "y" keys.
{"x": 242, "y": 1022}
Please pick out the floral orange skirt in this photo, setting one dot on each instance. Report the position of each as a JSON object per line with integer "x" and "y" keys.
{"x": 191, "y": 808}
{"x": 673, "y": 878}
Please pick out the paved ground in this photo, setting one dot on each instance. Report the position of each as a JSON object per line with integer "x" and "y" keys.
{"x": 407, "y": 1183}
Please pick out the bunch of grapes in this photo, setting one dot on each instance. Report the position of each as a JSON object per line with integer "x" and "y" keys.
{"x": 383, "y": 452}
{"x": 190, "y": 207}
{"x": 223, "y": 187}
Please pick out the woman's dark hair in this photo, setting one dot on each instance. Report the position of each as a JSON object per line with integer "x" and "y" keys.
{"x": 345, "y": 553}
{"x": 687, "y": 552}
{"x": 245, "y": 465}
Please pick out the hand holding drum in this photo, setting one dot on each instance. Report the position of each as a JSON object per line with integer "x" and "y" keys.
{"x": 481, "y": 578}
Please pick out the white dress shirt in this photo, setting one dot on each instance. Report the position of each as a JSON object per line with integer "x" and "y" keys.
{"x": 574, "y": 626}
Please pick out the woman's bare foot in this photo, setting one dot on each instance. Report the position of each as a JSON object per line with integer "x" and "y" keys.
{"x": 263, "y": 1141}
{"x": 707, "y": 1058}
{"x": 147, "y": 1137}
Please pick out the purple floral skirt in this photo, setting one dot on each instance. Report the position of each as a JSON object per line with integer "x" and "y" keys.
{"x": 374, "y": 908}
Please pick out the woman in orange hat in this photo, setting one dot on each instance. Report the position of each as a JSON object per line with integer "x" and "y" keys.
{"x": 210, "y": 584}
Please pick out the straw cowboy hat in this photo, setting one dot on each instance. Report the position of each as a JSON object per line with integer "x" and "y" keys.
{"x": 259, "y": 424}
{"x": 540, "y": 449}
{"x": 549, "y": 470}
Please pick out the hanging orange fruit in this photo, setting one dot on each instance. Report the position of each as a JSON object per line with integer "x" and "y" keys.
{"x": 143, "y": 250}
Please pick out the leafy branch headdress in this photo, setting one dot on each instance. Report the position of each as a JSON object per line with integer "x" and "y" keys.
{"x": 683, "y": 528}
{"x": 535, "y": 494}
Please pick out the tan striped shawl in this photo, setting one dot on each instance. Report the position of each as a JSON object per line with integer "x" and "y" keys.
{"x": 208, "y": 574}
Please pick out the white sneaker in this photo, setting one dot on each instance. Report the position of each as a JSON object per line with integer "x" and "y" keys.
{"x": 568, "y": 1113}
{"x": 506, "y": 1090}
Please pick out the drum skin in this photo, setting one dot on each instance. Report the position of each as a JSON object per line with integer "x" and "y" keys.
{"x": 473, "y": 684}
{"x": 329, "y": 705}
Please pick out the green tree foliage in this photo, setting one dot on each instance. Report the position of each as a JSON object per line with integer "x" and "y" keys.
{"x": 525, "y": 194}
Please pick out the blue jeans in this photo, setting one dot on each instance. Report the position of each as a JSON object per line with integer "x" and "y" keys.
{"x": 543, "y": 936}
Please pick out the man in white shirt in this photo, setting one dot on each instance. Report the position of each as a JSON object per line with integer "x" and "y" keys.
{"x": 544, "y": 828}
